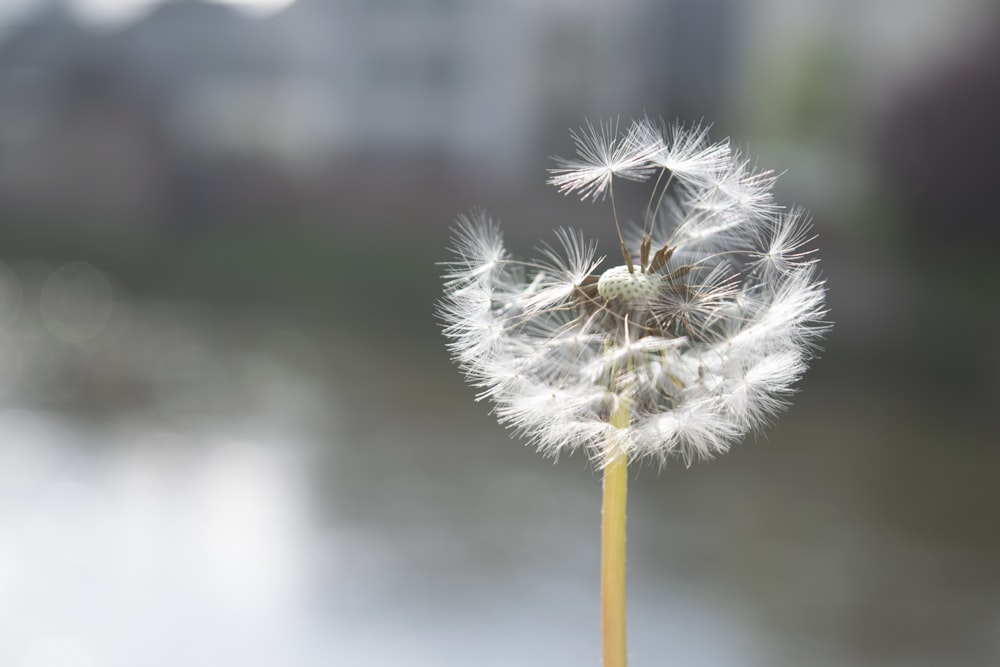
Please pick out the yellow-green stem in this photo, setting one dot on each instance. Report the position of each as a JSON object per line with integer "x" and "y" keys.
{"x": 613, "y": 551}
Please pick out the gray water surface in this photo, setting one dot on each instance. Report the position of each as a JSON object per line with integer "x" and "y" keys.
{"x": 182, "y": 485}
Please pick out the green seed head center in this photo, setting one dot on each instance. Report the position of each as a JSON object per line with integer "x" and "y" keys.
{"x": 633, "y": 288}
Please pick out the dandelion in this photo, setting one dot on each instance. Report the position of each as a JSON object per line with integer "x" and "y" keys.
{"x": 696, "y": 339}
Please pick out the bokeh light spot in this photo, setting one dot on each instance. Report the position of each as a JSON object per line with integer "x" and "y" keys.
{"x": 259, "y": 7}
{"x": 76, "y": 302}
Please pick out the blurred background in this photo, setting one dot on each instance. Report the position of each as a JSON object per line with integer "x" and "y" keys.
{"x": 229, "y": 429}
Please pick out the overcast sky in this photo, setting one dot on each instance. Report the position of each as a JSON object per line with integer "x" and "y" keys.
{"x": 111, "y": 12}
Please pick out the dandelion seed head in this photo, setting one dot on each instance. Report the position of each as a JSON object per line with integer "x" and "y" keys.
{"x": 700, "y": 336}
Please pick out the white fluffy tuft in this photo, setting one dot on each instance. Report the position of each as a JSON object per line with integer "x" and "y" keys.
{"x": 703, "y": 347}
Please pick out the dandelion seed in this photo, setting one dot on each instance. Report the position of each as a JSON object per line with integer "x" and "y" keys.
{"x": 602, "y": 155}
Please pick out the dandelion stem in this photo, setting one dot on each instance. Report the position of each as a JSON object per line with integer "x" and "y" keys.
{"x": 613, "y": 551}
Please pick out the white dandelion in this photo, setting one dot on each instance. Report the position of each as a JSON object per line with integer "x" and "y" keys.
{"x": 700, "y": 335}
{"x": 695, "y": 340}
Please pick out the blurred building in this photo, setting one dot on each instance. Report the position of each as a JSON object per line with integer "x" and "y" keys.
{"x": 124, "y": 120}
{"x": 195, "y": 111}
